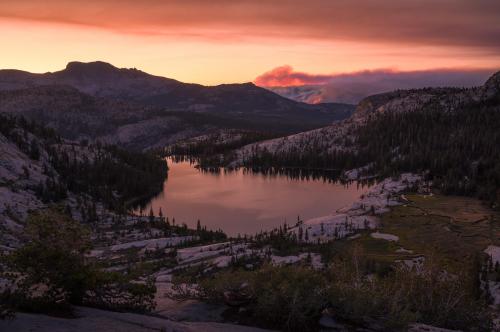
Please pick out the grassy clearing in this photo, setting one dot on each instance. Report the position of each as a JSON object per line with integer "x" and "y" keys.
{"x": 376, "y": 249}
{"x": 449, "y": 229}
{"x": 446, "y": 228}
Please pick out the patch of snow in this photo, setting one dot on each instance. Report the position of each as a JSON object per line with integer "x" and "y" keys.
{"x": 383, "y": 236}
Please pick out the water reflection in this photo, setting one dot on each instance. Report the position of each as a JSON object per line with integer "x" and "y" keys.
{"x": 246, "y": 201}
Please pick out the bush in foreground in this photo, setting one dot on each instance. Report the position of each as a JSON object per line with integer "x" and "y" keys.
{"x": 50, "y": 273}
{"x": 289, "y": 298}
{"x": 292, "y": 298}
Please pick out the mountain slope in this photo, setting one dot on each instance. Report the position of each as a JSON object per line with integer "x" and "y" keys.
{"x": 400, "y": 101}
{"x": 77, "y": 116}
{"x": 235, "y": 101}
{"x": 450, "y": 133}
{"x": 39, "y": 168}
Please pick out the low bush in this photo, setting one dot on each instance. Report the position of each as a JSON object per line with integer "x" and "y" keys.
{"x": 288, "y": 298}
{"x": 424, "y": 294}
{"x": 50, "y": 273}
{"x": 292, "y": 298}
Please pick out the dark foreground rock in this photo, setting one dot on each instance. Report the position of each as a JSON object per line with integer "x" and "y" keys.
{"x": 106, "y": 321}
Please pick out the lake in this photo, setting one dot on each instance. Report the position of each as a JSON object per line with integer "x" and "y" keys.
{"x": 245, "y": 202}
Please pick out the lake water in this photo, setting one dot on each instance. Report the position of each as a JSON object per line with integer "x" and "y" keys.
{"x": 244, "y": 202}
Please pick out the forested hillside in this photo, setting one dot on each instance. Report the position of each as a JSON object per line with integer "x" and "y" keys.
{"x": 450, "y": 134}
{"x": 39, "y": 168}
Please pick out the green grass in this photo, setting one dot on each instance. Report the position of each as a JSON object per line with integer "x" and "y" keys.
{"x": 446, "y": 228}
{"x": 379, "y": 251}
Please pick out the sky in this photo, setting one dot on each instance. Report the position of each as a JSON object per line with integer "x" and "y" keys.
{"x": 224, "y": 41}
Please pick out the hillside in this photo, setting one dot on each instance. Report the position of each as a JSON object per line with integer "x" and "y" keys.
{"x": 130, "y": 96}
{"x": 39, "y": 169}
{"x": 451, "y": 133}
{"x": 79, "y": 116}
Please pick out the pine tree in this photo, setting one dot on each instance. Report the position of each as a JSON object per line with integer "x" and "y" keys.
{"x": 34, "y": 151}
{"x": 151, "y": 215}
{"x": 160, "y": 214}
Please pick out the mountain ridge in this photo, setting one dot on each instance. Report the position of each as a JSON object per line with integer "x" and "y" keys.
{"x": 76, "y": 73}
{"x": 138, "y": 95}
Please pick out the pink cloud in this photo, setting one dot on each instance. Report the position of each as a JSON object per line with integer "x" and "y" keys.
{"x": 285, "y": 76}
{"x": 351, "y": 87}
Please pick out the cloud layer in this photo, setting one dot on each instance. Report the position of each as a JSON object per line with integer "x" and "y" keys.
{"x": 286, "y": 76}
{"x": 352, "y": 87}
{"x": 430, "y": 22}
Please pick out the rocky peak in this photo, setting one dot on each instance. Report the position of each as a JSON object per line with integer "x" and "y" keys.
{"x": 76, "y": 66}
{"x": 91, "y": 70}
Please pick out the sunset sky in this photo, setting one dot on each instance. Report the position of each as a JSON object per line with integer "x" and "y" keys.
{"x": 222, "y": 41}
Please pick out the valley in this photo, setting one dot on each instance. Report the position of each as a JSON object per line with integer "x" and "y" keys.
{"x": 383, "y": 219}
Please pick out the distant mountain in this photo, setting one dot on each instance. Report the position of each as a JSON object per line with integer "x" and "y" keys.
{"x": 98, "y": 79}
{"x": 315, "y": 94}
{"x": 311, "y": 94}
{"x": 248, "y": 103}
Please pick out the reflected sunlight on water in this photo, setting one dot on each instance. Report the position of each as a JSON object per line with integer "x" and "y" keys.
{"x": 245, "y": 202}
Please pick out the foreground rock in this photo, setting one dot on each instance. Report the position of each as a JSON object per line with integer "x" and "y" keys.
{"x": 99, "y": 320}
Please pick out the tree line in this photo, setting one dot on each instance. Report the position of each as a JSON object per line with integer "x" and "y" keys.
{"x": 109, "y": 174}
{"x": 458, "y": 149}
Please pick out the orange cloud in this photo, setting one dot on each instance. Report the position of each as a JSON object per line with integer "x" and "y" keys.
{"x": 431, "y": 22}
{"x": 285, "y": 76}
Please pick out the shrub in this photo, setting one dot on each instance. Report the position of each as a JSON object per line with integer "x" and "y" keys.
{"x": 288, "y": 298}
{"x": 5, "y": 310}
{"x": 425, "y": 294}
{"x": 292, "y": 298}
{"x": 50, "y": 273}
